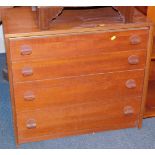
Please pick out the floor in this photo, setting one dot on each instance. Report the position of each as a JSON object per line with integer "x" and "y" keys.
{"x": 127, "y": 138}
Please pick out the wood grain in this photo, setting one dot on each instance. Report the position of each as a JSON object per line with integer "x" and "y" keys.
{"x": 152, "y": 71}
{"x": 149, "y": 108}
{"x": 77, "y": 45}
{"x": 146, "y": 77}
{"x": 46, "y": 14}
{"x": 76, "y": 66}
{"x": 94, "y": 88}
{"x": 127, "y": 12}
{"x": 8, "y": 58}
{"x": 77, "y": 90}
{"x": 24, "y": 24}
{"x": 150, "y": 104}
{"x": 143, "y": 9}
{"x": 78, "y": 118}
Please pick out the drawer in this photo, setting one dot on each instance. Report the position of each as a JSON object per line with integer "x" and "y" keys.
{"x": 50, "y": 69}
{"x": 67, "y": 92}
{"x": 77, "y": 119}
{"x": 152, "y": 70}
{"x": 77, "y": 44}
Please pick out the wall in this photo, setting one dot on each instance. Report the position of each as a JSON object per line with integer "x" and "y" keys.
{"x": 2, "y": 48}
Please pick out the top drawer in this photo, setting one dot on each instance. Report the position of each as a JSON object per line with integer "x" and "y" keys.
{"x": 77, "y": 44}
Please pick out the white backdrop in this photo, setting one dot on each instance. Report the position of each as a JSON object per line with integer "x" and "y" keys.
{"x": 2, "y": 48}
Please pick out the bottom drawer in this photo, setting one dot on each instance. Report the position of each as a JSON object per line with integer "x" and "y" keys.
{"x": 84, "y": 118}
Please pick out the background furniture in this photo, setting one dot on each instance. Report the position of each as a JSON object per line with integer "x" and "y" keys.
{"x": 150, "y": 105}
{"x": 45, "y": 15}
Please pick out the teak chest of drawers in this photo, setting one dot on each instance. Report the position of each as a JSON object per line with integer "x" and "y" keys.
{"x": 77, "y": 78}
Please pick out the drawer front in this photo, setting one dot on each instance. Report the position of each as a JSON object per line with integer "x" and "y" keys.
{"x": 67, "y": 92}
{"x": 50, "y": 69}
{"x": 76, "y": 45}
{"x": 152, "y": 71}
{"x": 58, "y": 122}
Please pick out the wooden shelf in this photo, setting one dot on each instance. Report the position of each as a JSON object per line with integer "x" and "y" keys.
{"x": 150, "y": 104}
{"x": 149, "y": 112}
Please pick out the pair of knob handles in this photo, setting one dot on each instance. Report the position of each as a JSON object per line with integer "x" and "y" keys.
{"x": 31, "y": 123}
{"x": 27, "y": 49}
{"x": 30, "y": 96}
{"x": 133, "y": 60}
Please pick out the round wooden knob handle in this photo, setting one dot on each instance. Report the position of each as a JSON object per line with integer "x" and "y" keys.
{"x": 27, "y": 71}
{"x": 133, "y": 59}
{"x": 130, "y": 83}
{"x": 25, "y": 50}
{"x": 29, "y": 96}
{"x": 135, "y": 39}
{"x": 31, "y": 123}
{"x": 128, "y": 110}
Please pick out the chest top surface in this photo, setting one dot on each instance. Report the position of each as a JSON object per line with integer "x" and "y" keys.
{"x": 21, "y": 21}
